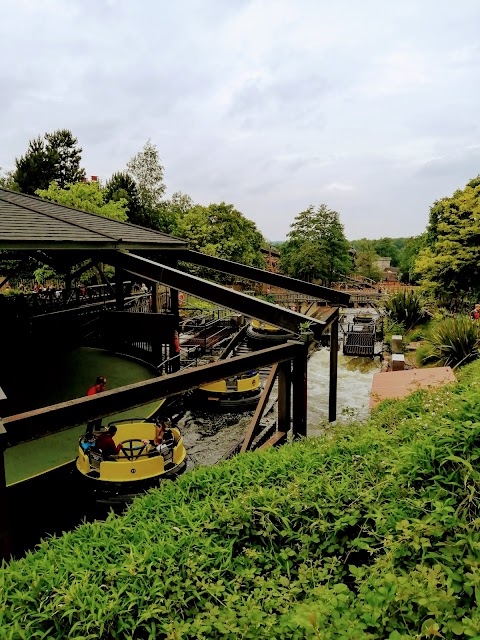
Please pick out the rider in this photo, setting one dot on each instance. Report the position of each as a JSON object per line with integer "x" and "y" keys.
{"x": 164, "y": 439}
{"x": 106, "y": 445}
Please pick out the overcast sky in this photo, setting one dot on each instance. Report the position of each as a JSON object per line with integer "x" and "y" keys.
{"x": 368, "y": 106}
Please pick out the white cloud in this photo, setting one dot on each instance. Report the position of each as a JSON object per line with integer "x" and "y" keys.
{"x": 338, "y": 186}
{"x": 271, "y": 105}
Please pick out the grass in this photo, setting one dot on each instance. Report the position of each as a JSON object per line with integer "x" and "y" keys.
{"x": 372, "y": 532}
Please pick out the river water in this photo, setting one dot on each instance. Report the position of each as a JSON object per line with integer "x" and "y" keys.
{"x": 208, "y": 437}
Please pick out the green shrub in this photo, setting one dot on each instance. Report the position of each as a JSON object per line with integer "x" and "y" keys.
{"x": 453, "y": 342}
{"x": 407, "y": 308}
{"x": 371, "y": 533}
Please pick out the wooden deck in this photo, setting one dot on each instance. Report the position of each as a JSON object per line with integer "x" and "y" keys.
{"x": 398, "y": 384}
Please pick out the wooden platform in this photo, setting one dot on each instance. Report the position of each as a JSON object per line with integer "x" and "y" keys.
{"x": 398, "y": 384}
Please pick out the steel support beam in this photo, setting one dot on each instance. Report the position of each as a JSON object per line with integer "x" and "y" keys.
{"x": 32, "y": 424}
{"x": 267, "y": 277}
{"x": 265, "y": 311}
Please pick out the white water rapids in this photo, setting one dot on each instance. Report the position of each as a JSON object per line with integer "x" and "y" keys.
{"x": 208, "y": 437}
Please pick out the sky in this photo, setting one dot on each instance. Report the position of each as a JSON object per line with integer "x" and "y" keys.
{"x": 368, "y": 106}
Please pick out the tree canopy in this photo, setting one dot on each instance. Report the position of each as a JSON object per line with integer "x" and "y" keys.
{"x": 87, "y": 196}
{"x": 147, "y": 171}
{"x": 121, "y": 186}
{"x": 317, "y": 248}
{"x": 56, "y": 156}
{"x": 221, "y": 231}
{"x": 450, "y": 263}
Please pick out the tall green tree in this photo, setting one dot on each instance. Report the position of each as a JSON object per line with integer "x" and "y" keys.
{"x": 366, "y": 260}
{"x": 7, "y": 180}
{"x": 87, "y": 196}
{"x": 35, "y": 169}
{"x": 317, "y": 248}
{"x": 67, "y": 155}
{"x": 123, "y": 186}
{"x": 56, "y": 156}
{"x": 147, "y": 171}
{"x": 220, "y": 230}
{"x": 450, "y": 263}
{"x": 170, "y": 213}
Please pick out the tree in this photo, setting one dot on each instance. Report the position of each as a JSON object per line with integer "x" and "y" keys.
{"x": 54, "y": 157}
{"x": 66, "y": 156}
{"x": 366, "y": 260}
{"x": 122, "y": 186}
{"x": 450, "y": 263}
{"x": 146, "y": 170}
{"x": 220, "y": 230}
{"x": 34, "y": 170}
{"x": 317, "y": 248}
{"x": 86, "y": 196}
{"x": 7, "y": 180}
{"x": 170, "y": 212}
{"x": 387, "y": 247}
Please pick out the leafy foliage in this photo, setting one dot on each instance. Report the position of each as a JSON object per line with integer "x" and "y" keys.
{"x": 371, "y": 533}
{"x": 317, "y": 248}
{"x": 449, "y": 264}
{"x": 121, "y": 186}
{"x": 453, "y": 342}
{"x": 365, "y": 260}
{"x": 407, "y": 308}
{"x": 54, "y": 157}
{"x": 220, "y": 230}
{"x": 87, "y": 196}
{"x": 147, "y": 171}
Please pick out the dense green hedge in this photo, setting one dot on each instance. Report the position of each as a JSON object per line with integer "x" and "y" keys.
{"x": 372, "y": 533}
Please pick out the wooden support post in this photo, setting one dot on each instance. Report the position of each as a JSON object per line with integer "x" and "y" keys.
{"x": 156, "y": 298}
{"x": 299, "y": 380}
{"x": 262, "y": 403}
{"x": 332, "y": 391}
{"x": 5, "y": 536}
{"x": 284, "y": 396}
{"x": 119, "y": 290}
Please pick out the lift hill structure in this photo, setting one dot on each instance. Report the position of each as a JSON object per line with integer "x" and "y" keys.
{"x": 73, "y": 241}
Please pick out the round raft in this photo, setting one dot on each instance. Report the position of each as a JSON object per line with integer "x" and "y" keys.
{"x": 231, "y": 395}
{"x": 261, "y": 334}
{"x": 138, "y": 465}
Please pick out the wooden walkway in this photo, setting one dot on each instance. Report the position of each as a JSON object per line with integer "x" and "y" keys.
{"x": 398, "y": 384}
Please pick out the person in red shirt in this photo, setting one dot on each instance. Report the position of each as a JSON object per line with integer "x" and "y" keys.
{"x": 98, "y": 387}
{"x": 106, "y": 445}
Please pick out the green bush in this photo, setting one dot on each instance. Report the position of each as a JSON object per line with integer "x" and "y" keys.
{"x": 407, "y": 308}
{"x": 371, "y": 533}
{"x": 453, "y": 342}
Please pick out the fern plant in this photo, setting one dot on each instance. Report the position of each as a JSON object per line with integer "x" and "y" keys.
{"x": 453, "y": 342}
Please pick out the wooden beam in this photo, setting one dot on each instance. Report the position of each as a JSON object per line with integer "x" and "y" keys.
{"x": 267, "y": 277}
{"x": 285, "y": 396}
{"x": 332, "y": 382}
{"x": 262, "y": 403}
{"x": 31, "y": 424}
{"x": 278, "y": 438}
{"x": 223, "y": 296}
{"x": 299, "y": 380}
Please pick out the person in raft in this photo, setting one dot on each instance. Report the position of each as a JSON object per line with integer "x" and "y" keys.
{"x": 105, "y": 444}
{"x": 164, "y": 439}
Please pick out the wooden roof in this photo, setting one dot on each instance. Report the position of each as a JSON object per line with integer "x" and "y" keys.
{"x": 28, "y": 222}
